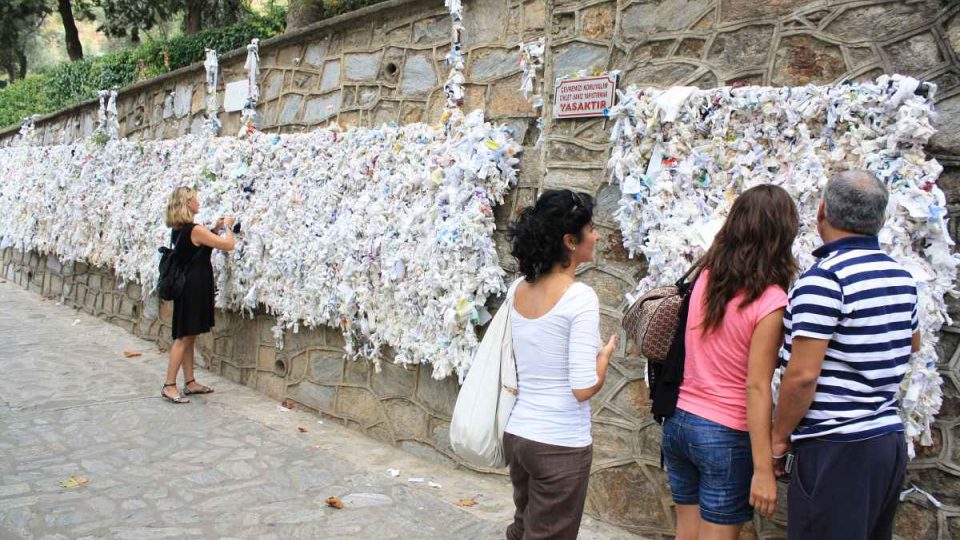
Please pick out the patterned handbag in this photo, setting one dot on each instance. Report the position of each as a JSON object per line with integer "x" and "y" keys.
{"x": 652, "y": 320}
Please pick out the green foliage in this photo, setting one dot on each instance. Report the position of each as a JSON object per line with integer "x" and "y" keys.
{"x": 26, "y": 97}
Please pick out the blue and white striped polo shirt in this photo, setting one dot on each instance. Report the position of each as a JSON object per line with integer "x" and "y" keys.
{"x": 865, "y": 303}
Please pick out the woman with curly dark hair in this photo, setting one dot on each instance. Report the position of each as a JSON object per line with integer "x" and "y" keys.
{"x": 717, "y": 445}
{"x": 560, "y": 365}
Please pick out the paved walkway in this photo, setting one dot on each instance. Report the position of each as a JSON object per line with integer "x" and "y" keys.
{"x": 228, "y": 465}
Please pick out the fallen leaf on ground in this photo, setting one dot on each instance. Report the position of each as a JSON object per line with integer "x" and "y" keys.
{"x": 73, "y": 481}
{"x": 131, "y": 354}
{"x": 466, "y": 502}
{"x": 163, "y": 349}
{"x": 302, "y": 429}
{"x": 334, "y": 502}
{"x": 393, "y": 472}
{"x": 289, "y": 404}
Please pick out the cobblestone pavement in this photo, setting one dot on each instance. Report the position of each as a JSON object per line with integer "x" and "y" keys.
{"x": 227, "y": 465}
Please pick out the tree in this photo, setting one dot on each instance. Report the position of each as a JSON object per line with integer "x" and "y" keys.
{"x": 71, "y": 35}
{"x": 127, "y": 18}
{"x": 19, "y": 21}
{"x": 303, "y": 13}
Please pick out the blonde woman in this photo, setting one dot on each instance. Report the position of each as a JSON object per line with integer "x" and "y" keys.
{"x": 193, "y": 309}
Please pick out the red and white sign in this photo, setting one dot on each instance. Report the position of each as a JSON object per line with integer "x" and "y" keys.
{"x": 580, "y": 98}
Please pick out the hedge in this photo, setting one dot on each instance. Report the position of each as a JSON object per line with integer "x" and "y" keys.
{"x": 73, "y": 82}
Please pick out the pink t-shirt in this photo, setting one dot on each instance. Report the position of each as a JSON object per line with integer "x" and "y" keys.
{"x": 715, "y": 372}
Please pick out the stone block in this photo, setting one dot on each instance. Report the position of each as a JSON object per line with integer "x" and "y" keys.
{"x": 322, "y": 108}
{"x": 534, "y": 14}
{"x": 394, "y": 380}
{"x": 505, "y": 99}
{"x": 641, "y": 20}
{"x": 691, "y": 48}
{"x": 484, "y": 23}
{"x": 880, "y": 20}
{"x": 801, "y": 60}
{"x": 412, "y": 112}
{"x": 361, "y": 66}
{"x": 916, "y": 522}
{"x": 612, "y": 443}
{"x": 633, "y": 399}
{"x": 598, "y": 21}
{"x": 385, "y": 112}
{"x": 266, "y": 357}
{"x": 437, "y": 396}
{"x": 290, "y": 57}
{"x": 290, "y": 109}
{"x": 427, "y": 452}
{"x": 491, "y": 63}
{"x": 357, "y": 371}
{"x": 734, "y": 50}
{"x": 585, "y": 180}
{"x": 407, "y": 419}
{"x": 915, "y": 55}
{"x": 316, "y": 396}
{"x": 947, "y": 138}
{"x": 576, "y": 56}
{"x": 609, "y": 288}
{"x": 435, "y": 30}
{"x": 315, "y": 54}
{"x": 331, "y": 76}
{"x": 182, "y": 98}
{"x": 271, "y": 385}
{"x": 627, "y": 496}
{"x": 738, "y": 10}
{"x": 302, "y": 82}
{"x": 418, "y": 76}
{"x": 272, "y": 85}
{"x": 358, "y": 404}
{"x": 367, "y": 96}
{"x": 564, "y": 151}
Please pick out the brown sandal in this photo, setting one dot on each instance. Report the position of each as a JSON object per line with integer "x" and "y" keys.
{"x": 188, "y": 392}
{"x": 179, "y": 399}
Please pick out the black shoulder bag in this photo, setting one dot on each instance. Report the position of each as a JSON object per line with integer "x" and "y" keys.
{"x": 665, "y": 378}
{"x": 173, "y": 273}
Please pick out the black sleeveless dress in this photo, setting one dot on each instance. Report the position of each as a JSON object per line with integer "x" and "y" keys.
{"x": 193, "y": 311}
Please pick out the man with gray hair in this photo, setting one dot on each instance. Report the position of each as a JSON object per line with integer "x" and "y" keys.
{"x": 850, "y": 328}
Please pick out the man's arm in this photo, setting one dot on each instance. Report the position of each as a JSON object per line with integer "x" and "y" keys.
{"x": 798, "y": 387}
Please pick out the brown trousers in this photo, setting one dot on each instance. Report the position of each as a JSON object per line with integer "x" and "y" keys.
{"x": 549, "y": 488}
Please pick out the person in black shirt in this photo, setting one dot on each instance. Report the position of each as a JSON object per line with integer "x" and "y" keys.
{"x": 193, "y": 310}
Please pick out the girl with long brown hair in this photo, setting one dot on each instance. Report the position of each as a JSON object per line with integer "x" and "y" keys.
{"x": 717, "y": 445}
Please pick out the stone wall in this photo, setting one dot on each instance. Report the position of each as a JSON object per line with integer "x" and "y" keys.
{"x": 385, "y": 64}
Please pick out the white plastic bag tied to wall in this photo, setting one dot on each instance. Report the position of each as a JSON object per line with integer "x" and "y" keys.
{"x": 385, "y": 233}
{"x": 681, "y": 156}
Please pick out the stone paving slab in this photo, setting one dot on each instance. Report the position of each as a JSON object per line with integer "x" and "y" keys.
{"x": 227, "y": 465}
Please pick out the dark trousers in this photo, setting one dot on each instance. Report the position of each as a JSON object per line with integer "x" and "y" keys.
{"x": 549, "y": 488}
{"x": 846, "y": 490}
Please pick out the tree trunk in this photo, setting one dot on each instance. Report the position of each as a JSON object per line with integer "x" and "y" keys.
{"x": 22, "y": 59}
{"x": 193, "y": 18}
{"x": 11, "y": 71}
{"x": 135, "y": 36}
{"x": 302, "y": 13}
{"x": 74, "y": 48}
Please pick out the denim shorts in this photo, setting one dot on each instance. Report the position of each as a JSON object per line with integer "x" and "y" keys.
{"x": 709, "y": 465}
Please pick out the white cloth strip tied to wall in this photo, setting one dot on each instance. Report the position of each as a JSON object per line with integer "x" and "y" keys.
{"x": 107, "y": 124}
{"x": 681, "y": 156}
{"x": 453, "y": 87}
{"x": 386, "y": 233}
{"x": 248, "y": 117}
{"x": 211, "y": 124}
{"x": 27, "y": 129}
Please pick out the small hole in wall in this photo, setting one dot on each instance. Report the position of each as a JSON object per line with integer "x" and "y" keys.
{"x": 280, "y": 368}
{"x": 134, "y": 311}
{"x": 391, "y": 69}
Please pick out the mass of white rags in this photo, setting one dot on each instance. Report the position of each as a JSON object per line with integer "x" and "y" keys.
{"x": 681, "y": 155}
{"x": 385, "y": 233}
